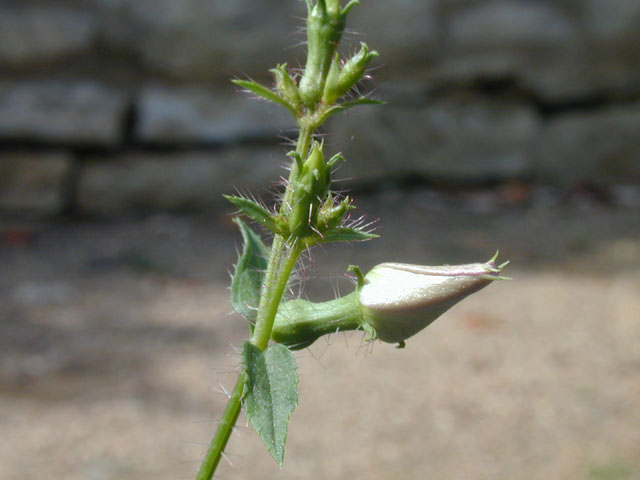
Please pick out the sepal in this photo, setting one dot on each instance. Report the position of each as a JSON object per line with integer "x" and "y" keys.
{"x": 329, "y": 95}
{"x": 331, "y": 214}
{"x": 309, "y": 190}
{"x": 354, "y": 69}
{"x": 286, "y": 86}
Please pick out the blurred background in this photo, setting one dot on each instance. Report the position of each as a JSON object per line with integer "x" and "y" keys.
{"x": 509, "y": 124}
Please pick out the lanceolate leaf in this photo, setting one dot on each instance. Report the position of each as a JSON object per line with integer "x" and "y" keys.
{"x": 346, "y": 235}
{"x": 271, "y": 394}
{"x": 328, "y": 112}
{"x": 265, "y": 93}
{"x": 360, "y": 101}
{"x": 248, "y": 274}
{"x": 340, "y": 107}
{"x": 254, "y": 211}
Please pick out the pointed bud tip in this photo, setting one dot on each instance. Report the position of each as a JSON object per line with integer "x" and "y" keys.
{"x": 494, "y": 258}
{"x": 494, "y": 269}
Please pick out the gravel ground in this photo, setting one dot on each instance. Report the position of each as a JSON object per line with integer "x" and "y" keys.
{"x": 117, "y": 345}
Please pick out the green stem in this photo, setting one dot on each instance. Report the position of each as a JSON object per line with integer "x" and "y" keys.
{"x": 276, "y": 279}
{"x": 278, "y": 268}
{"x": 282, "y": 260}
{"x": 304, "y": 140}
{"x": 225, "y": 427}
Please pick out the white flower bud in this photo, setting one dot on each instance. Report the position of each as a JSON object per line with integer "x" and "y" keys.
{"x": 398, "y": 300}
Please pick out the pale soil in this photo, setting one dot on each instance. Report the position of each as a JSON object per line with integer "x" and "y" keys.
{"x": 116, "y": 341}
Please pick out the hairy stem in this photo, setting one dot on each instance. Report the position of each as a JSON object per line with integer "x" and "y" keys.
{"x": 304, "y": 139}
{"x": 225, "y": 427}
{"x": 281, "y": 263}
{"x": 282, "y": 260}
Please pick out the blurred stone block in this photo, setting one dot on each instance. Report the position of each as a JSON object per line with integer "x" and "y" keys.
{"x": 196, "y": 115}
{"x": 578, "y": 76}
{"x": 505, "y": 25}
{"x": 37, "y": 35}
{"x": 203, "y": 38}
{"x": 530, "y": 43}
{"x": 67, "y": 113}
{"x": 409, "y": 35}
{"x": 174, "y": 181}
{"x": 601, "y": 147}
{"x": 459, "y": 140}
{"x": 584, "y": 50}
{"x": 33, "y": 182}
{"x": 617, "y": 21}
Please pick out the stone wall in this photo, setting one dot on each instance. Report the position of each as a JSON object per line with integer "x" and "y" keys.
{"x": 111, "y": 106}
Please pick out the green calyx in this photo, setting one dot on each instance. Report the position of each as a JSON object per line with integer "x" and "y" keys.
{"x": 316, "y": 96}
{"x": 325, "y": 25}
{"x": 309, "y": 190}
{"x": 311, "y": 214}
{"x": 299, "y": 323}
{"x": 332, "y": 213}
{"x": 341, "y": 80}
{"x": 286, "y": 87}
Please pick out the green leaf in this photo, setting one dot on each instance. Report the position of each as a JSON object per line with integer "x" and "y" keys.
{"x": 248, "y": 274}
{"x": 327, "y": 113}
{"x": 265, "y": 93}
{"x": 345, "y": 234}
{"x": 271, "y": 394}
{"x": 254, "y": 211}
{"x": 341, "y": 107}
{"x": 361, "y": 101}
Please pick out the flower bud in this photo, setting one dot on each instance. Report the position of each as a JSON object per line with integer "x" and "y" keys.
{"x": 310, "y": 189}
{"x": 391, "y": 303}
{"x": 340, "y": 81}
{"x": 286, "y": 86}
{"x": 354, "y": 69}
{"x": 324, "y": 30}
{"x": 332, "y": 213}
{"x": 398, "y": 300}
